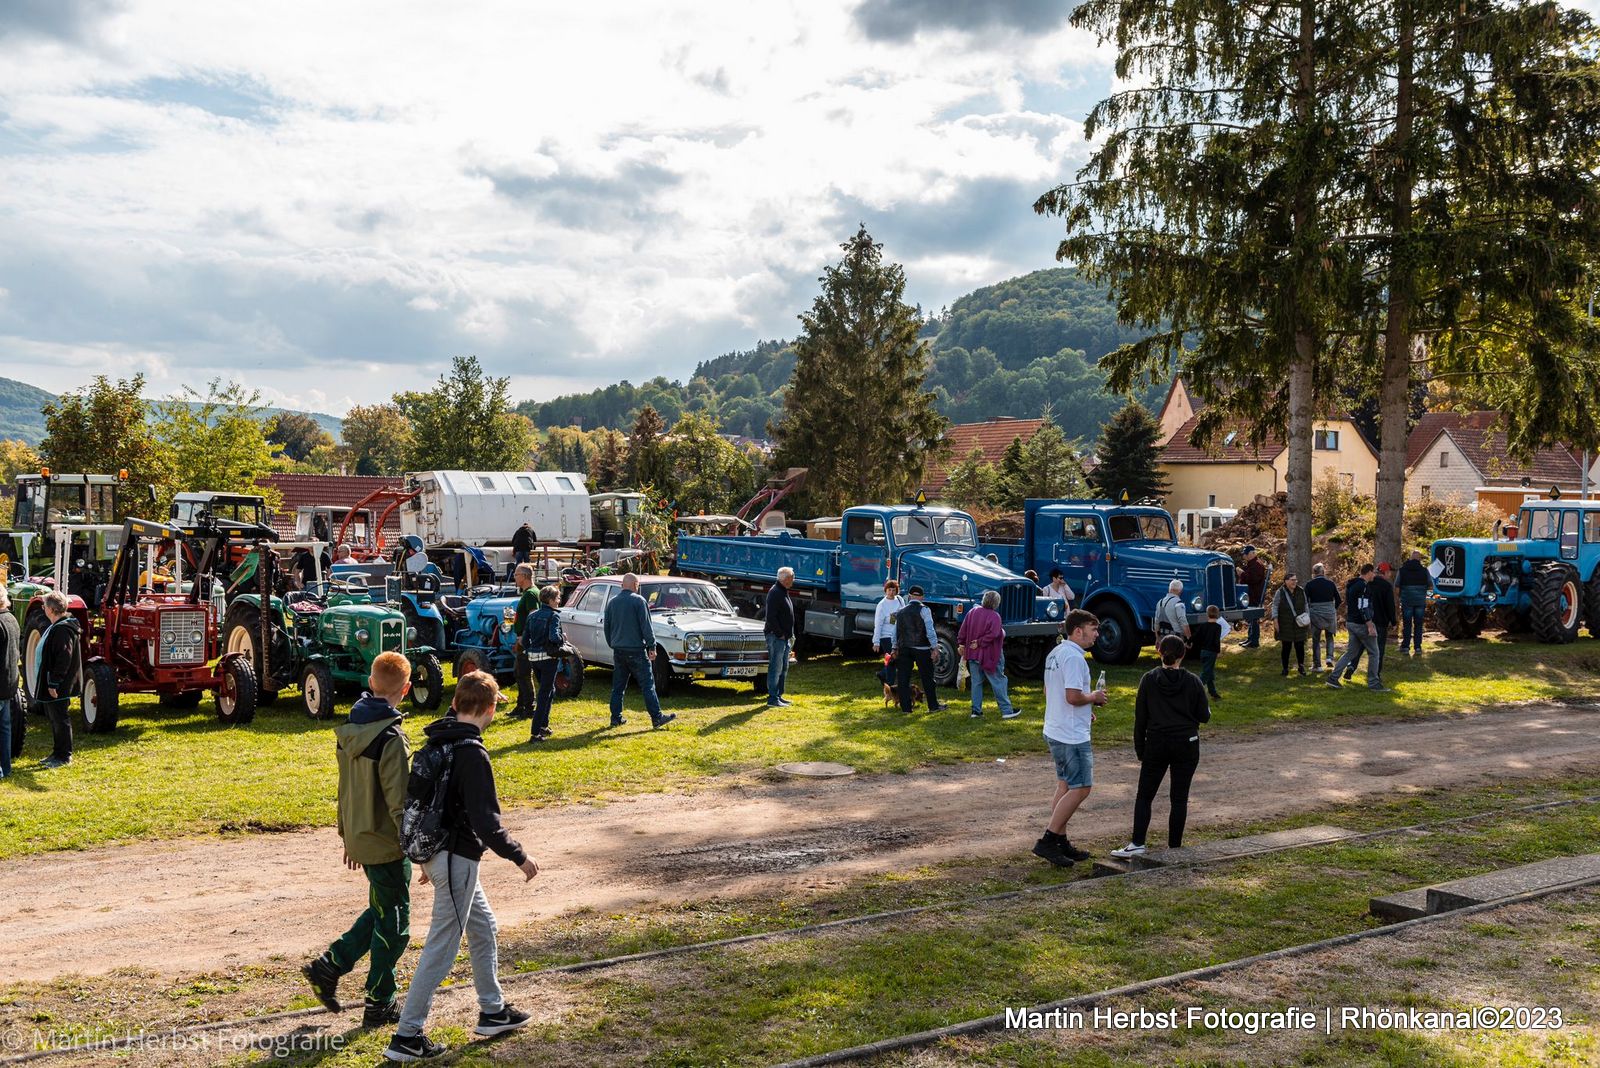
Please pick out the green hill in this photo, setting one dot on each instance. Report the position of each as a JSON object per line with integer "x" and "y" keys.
{"x": 1003, "y": 350}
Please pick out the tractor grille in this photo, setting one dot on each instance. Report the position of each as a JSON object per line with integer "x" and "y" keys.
{"x": 392, "y": 635}
{"x": 740, "y": 647}
{"x": 183, "y": 638}
{"x": 1016, "y": 601}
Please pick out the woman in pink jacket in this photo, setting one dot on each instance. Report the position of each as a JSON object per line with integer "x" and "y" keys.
{"x": 981, "y": 641}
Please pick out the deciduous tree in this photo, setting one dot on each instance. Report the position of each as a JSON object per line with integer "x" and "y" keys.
{"x": 106, "y": 427}
{"x": 378, "y": 437}
{"x": 215, "y": 441}
{"x": 299, "y": 434}
{"x": 466, "y": 422}
{"x": 706, "y": 473}
{"x": 972, "y": 483}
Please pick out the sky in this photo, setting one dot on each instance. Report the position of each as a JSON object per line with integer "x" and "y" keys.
{"x": 328, "y": 201}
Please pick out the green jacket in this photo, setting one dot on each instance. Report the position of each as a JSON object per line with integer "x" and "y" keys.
{"x": 372, "y": 786}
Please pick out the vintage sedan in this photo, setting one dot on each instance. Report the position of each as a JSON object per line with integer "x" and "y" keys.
{"x": 698, "y": 634}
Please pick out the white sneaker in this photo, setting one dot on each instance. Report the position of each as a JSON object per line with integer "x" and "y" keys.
{"x": 1130, "y": 850}
{"x": 1013, "y": 714}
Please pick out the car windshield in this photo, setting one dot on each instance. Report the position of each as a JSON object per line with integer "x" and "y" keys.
{"x": 922, "y": 529}
{"x": 684, "y": 597}
{"x": 1140, "y": 528}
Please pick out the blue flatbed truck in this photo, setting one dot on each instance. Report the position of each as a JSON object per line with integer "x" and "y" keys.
{"x": 1119, "y": 560}
{"x": 838, "y": 584}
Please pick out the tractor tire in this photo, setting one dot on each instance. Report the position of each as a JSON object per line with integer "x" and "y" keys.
{"x": 32, "y": 634}
{"x": 427, "y": 683}
{"x": 569, "y": 676}
{"x": 241, "y": 633}
{"x": 1557, "y": 597}
{"x": 1459, "y": 622}
{"x": 946, "y": 658}
{"x": 661, "y": 668}
{"x": 316, "y": 690}
{"x": 186, "y": 699}
{"x": 100, "y": 697}
{"x": 1118, "y": 642}
{"x": 1509, "y": 621}
{"x": 236, "y": 692}
{"x": 1591, "y": 604}
{"x": 468, "y": 661}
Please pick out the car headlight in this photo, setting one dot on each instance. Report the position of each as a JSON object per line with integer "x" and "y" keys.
{"x": 1053, "y": 609}
{"x": 411, "y": 634}
{"x": 363, "y": 634}
{"x": 694, "y": 643}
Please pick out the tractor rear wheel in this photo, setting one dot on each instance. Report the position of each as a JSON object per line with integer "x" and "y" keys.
{"x": 468, "y": 661}
{"x": 1459, "y": 622}
{"x": 316, "y": 690}
{"x": 236, "y": 692}
{"x": 569, "y": 676}
{"x": 427, "y": 683}
{"x": 1557, "y": 604}
{"x": 100, "y": 697}
{"x": 1591, "y": 604}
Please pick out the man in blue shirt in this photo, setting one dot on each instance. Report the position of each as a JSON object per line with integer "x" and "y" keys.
{"x": 633, "y": 648}
{"x": 780, "y": 637}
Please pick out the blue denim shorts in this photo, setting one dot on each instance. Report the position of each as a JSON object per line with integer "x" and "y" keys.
{"x": 1074, "y": 763}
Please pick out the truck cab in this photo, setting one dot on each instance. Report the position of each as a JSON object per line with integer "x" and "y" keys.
{"x": 1119, "y": 561}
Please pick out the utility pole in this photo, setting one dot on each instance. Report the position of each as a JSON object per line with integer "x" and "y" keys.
{"x": 1583, "y": 493}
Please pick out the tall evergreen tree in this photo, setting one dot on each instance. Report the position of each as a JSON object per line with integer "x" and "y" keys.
{"x": 610, "y": 466}
{"x": 1048, "y": 467}
{"x": 647, "y": 461}
{"x": 1128, "y": 456}
{"x": 972, "y": 483}
{"x": 856, "y": 412}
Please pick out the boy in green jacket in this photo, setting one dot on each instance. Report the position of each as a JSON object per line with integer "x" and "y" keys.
{"x": 374, "y": 766}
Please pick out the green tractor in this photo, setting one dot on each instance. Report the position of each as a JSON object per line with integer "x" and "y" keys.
{"x": 322, "y": 638}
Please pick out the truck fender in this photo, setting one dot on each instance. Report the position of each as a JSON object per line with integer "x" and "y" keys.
{"x": 1111, "y": 593}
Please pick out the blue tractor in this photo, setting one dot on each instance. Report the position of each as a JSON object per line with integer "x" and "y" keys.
{"x": 1546, "y": 579}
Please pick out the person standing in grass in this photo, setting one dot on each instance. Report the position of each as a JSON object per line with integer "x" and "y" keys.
{"x": 883, "y": 617}
{"x": 1166, "y": 736}
{"x": 374, "y": 764}
{"x": 779, "y": 630}
{"x": 982, "y": 642}
{"x": 541, "y": 639}
{"x": 527, "y": 605}
{"x": 1415, "y": 583}
{"x": 55, "y": 674}
{"x": 10, "y": 647}
{"x": 1207, "y": 644}
{"x": 472, "y": 823}
{"x": 633, "y": 650}
{"x": 914, "y": 642}
{"x": 1069, "y": 704}
{"x": 1289, "y": 621}
{"x": 1254, "y": 576}
{"x": 1380, "y": 591}
{"x": 1363, "y": 633}
{"x": 1322, "y": 601}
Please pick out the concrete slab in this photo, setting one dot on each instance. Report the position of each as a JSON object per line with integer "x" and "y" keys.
{"x": 1224, "y": 848}
{"x": 816, "y": 769}
{"x": 1406, "y": 905}
{"x": 1461, "y": 893}
{"x": 1109, "y": 866}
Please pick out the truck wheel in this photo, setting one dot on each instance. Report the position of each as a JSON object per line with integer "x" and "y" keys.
{"x": 1557, "y": 604}
{"x": 946, "y": 660}
{"x": 427, "y": 682}
{"x": 236, "y": 692}
{"x": 1025, "y": 657}
{"x": 316, "y": 690}
{"x": 661, "y": 668}
{"x": 100, "y": 697}
{"x": 569, "y": 676}
{"x": 1591, "y": 604}
{"x": 1118, "y": 642}
{"x": 186, "y": 699}
{"x": 1459, "y": 622}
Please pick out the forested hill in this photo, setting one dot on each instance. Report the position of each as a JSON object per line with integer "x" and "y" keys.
{"x": 1005, "y": 349}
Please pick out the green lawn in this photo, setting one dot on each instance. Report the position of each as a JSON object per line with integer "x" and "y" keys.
{"x": 166, "y": 773}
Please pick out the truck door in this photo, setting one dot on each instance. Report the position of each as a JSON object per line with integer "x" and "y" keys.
{"x": 1080, "y": 553}
{"x": 863, "y": 566}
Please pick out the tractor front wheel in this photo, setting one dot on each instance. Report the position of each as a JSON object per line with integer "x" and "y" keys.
{"x": 316, "y": 690}
{"x": 236, "y": 692}
{"x": 1459, "y": 622}
{"x": 569, "y": 676}
{"x": 427, "y": 683}
{"x": 100, "y": 697}
{"x": 1557, "y": 604}
{"x": 468, "y": 661}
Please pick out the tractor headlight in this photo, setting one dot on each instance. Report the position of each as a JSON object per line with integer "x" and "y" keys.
{"x": 694, "y": 643}
{"x": 196, "y": 636}
{"x": 168, "y": 638}
{"x": 411, "y": 634}
{"x": 1053, "y": 609}
{"x": 1244, "y": 600}
{"x": 362, "y": 635}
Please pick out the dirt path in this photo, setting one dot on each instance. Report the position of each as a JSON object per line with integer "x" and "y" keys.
{"x": 199, "y": 904}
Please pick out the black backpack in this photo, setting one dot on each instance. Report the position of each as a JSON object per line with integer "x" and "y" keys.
{"x": 422, "y": 825}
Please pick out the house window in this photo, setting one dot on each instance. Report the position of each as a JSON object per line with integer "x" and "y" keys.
{"x": 1326, "y": 440}
{"x": 1427, "y": 491}
{"x": 1444, "y": 459}
{"x": 1211, "y": 500}
{"x": 525, "y": 482}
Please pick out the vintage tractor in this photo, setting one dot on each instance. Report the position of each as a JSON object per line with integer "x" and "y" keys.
{"x": 1546, "y": 581}
{"x": 323, "y": 638}
{"x": 484, "y": 641}
{"x": 145, "y": 640}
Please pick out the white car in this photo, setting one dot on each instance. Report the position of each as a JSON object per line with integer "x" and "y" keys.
{"x": 698, "y": 634}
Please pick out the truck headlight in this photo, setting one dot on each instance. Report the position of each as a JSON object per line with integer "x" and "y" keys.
{"x": 694, "y": 643}
{"x": 1198, "y": 604}
{"x": 195, "y": 636}
{"x": 1053, "y": 609}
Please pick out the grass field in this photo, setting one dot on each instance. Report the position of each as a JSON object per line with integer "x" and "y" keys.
{"x": 166, "y": 773}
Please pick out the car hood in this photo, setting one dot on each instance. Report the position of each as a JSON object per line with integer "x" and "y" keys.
{"x": 699, "y": 620}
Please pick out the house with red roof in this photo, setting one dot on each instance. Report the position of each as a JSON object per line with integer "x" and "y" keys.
{"x": 1231, "y": 471}
{"x": 328, "y": 491}
{"x": 1462, "y": 457}
{"x": 993, "y": 437}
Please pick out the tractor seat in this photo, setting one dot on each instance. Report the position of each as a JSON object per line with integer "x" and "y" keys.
{"x": 304, "y": 603}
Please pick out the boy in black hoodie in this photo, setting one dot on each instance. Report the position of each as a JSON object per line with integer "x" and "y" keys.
{"x": 57, "y": 676}
{"x": 1167, "y": 715}
{"x": 472, "y": 817}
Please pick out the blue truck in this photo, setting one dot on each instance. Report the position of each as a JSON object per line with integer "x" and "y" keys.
{"x": 838, "y": 584}
{"x": 1546, "y": 579}
{"x": 1119, "y": 560}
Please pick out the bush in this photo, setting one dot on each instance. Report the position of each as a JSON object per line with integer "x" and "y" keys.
{"x": 1339, "y": 513}
{"x": 1429, "y": 520}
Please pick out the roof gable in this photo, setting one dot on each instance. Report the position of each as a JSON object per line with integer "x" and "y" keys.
{"x": 1230, "y": 445}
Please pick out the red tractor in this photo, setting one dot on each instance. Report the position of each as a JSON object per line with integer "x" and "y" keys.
{"x": 146, "y": 640}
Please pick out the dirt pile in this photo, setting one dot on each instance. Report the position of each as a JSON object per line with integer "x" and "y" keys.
{"x": 1264, "y": 523}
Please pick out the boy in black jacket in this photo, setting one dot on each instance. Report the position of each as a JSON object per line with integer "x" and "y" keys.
{"x": 1206, "y": 640}
{"x": 1167, "y": 715}
{"x": 472, "y": 815}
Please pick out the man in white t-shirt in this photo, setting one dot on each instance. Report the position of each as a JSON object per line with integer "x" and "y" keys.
{"x": 1069, "y": 705}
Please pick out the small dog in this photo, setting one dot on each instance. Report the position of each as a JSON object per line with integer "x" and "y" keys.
{"x": 891, "y": 696}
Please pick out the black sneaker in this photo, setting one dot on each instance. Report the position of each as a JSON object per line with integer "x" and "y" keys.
{"x": 324, "y": 980}
{"x": 618, "y": 721}
{"x": 1049, "y": 848}
{"x": 377, "y": 1014}
{"x": 414, "y": 1048}
{"x": 1072, "y": 853}
{"x": 940, "y": 707}
{"x": 665, "y": 719}
{"x": 509, "y": 1018}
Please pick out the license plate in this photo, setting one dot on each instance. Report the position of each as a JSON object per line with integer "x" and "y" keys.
{"x": 739, "y": 673}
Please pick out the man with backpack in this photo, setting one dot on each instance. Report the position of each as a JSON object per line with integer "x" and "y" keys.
{"x": 914, "y": 642}
{"x": 452, "y": 815}
{"x": 56, "y": 675}
{"x": 374, "y": 764}
{"x": 1171, "y": 616}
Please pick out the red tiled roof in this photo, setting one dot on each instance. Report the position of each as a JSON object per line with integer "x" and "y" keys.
{"x": 337, "y": 491}
{"x": 1230, "y": 445}
{"x": 1485, "y": 450}
{"x": 993, "y": 437}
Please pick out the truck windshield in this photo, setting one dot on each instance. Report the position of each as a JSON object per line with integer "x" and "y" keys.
{"x": 1141, "y": 528}
{"x": 934, "y": 529}
{"x": 685, "y": 597}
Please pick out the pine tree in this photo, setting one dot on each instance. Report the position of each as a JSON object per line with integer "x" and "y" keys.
{"x": 856, "y": 412}
{"x": 1128, "y": 457}
{"x": 1008, "y": 493}
{"x": 1049, "y": 465}
{"x": 972, "y": 483}
{"x": 647, "y": 462}
{"x": 610, "y": 466}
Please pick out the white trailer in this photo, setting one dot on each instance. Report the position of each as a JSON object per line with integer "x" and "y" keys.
{"x": 486, "y": 507}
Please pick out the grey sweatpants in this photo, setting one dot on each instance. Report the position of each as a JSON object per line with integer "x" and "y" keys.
{"x": 458, "y": 904}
